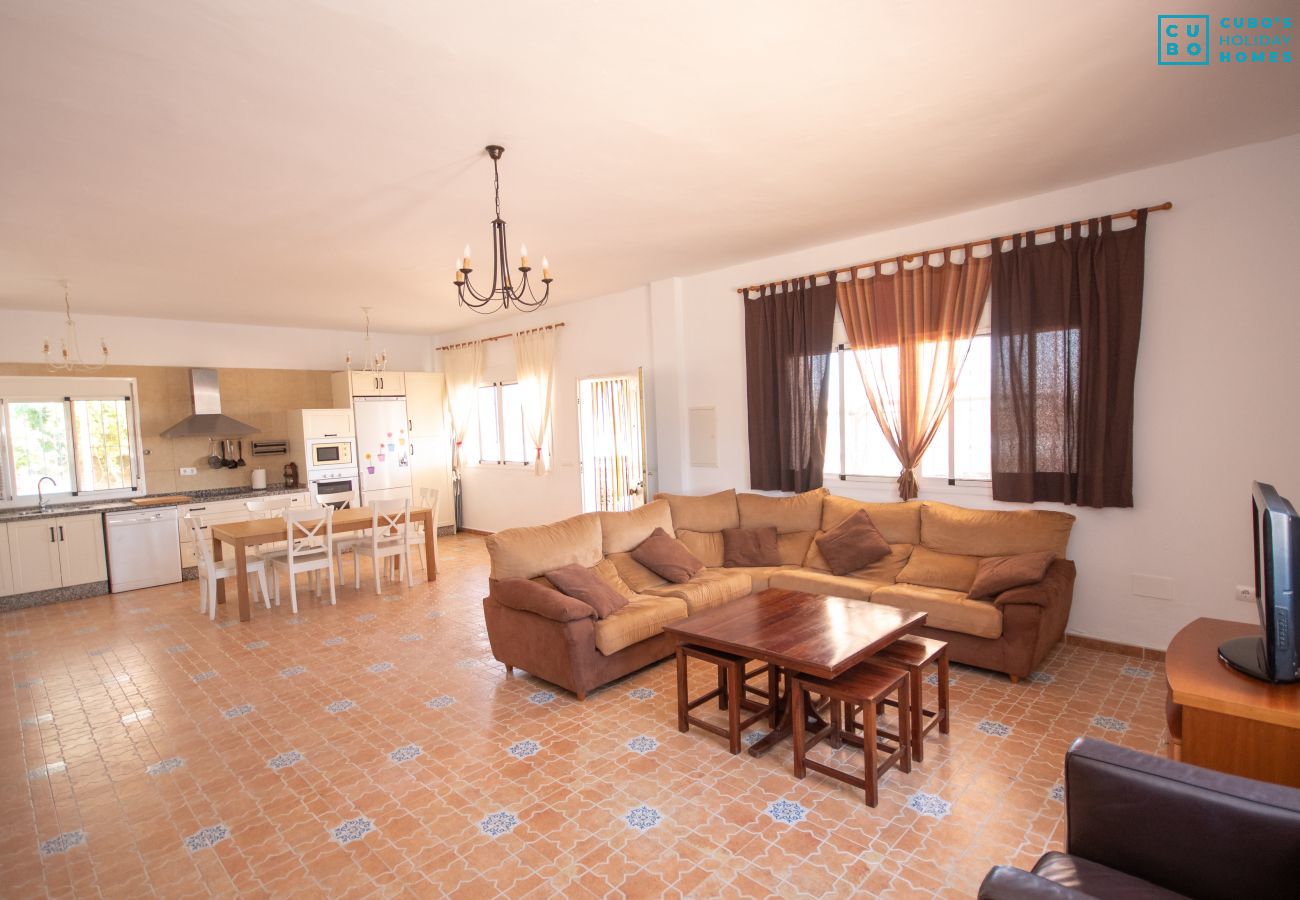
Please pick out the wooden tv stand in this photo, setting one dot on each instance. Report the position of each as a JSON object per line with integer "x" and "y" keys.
{"x": 1230, "y": 721}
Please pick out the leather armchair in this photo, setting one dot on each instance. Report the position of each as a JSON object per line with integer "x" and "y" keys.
{"x": 1138, "y": 826}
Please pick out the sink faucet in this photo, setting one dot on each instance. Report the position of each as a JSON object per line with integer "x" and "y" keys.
{"x": 41, "y": 503}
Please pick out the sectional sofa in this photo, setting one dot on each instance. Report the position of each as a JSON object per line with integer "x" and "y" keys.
{"x": 934, "y": 551}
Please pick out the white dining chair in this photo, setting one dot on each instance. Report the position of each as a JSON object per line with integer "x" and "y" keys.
{"x": 268, "y": 509}
{"x": 389, "y": 538}
{"x": 309, "y": 539}
{"x": 211, "y": 571}
{"x": 428, "y": 498}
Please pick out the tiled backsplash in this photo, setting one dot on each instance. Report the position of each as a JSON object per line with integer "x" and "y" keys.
{"x": 259, "y": 397}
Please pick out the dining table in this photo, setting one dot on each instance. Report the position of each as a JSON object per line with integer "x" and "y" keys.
{"x": 252, "y": 532}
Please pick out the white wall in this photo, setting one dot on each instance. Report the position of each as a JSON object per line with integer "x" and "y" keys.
{"x": 603, "y": 336}
{"x": 168, "y": 342}
{"x": 1217, "y": 402}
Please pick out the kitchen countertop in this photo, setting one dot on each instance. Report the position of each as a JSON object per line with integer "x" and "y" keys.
{"x": 197, "y": 496}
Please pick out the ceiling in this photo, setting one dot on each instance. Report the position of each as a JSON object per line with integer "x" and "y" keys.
{"x": 278, "y": 162}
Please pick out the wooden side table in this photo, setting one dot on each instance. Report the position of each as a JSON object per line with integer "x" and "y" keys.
{"x": 1230, "y": 721}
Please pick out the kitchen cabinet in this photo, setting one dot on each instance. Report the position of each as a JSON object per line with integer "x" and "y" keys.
{"x": 430, "y": 440}
{"x": 57, "y": 552}
{"x": 367, "y": 384}
{"x": 218, "y": 512}
{"x": 327, "y": 423}
{"x": 6, "y": 571}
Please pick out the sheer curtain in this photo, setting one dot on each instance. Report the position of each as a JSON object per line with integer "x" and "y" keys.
{"x": 910, "y": 331}
{"x": 535, "y": 370}
{"x": 463, "y": 367}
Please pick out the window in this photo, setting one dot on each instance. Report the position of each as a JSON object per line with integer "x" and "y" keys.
{"x": 70, "y": 430}
{"x": 501, "y": 434}
{"x": 856, "y": 445}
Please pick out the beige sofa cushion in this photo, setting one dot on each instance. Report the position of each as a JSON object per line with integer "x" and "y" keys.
{"x": 710, "y": 588}
{"x": 759, "y": 576}
{"x": 793, "y": 546}
{"x": 885, "y": 570}
{"x": 900, "y": 523}
{"x": 949, "y": 610}
{"x": 951, "y": 571}
{"x": 622, "y": 531}
{"x": 993, "y": 532}
{"x": 636, "y": 576}
{"x": 706, "y": 545}
{"x": 824, "y": 583}
{"x": 712, "y": 512}
{"x": 528, "y": 552}
{"x": 802, "y": 512}
{"x": 643, "y": 617}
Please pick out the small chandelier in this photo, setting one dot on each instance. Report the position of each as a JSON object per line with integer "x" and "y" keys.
{"x": 504, "y": 292}
{"x": 375, "y": 362}
{"x": 70, "y": 352}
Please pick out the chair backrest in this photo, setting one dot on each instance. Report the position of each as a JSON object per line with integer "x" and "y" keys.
{"x": 267, "y": 509}
{"x": 392, "y": 516}
{"x": 429, "y": 498}
{"x": 202, "y": 549}
{"x": 308, "y": 530}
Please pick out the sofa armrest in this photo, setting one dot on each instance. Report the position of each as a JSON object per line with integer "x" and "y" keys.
{"x": 1056, "y": 584}
{"x": 1189, "y": 830}
{"x": 1006, "y": 883}
{"x": 529, "y": 596}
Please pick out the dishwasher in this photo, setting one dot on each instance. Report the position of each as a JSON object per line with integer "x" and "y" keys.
{"x": 143, "y": 548}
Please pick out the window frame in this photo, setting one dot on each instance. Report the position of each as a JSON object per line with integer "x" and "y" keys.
{"x": 498, "y": 406}
{"x": 68, "y": 390}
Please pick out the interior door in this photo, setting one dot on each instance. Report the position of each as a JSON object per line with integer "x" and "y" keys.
{"x": 612, "y": 434}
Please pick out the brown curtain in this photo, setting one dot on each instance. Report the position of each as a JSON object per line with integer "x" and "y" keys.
{"x": 911, "y": 331}
{"x": 788, "y": 338}
{"x": 1066, "y": 319}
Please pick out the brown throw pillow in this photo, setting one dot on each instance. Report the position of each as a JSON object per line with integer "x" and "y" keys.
{"x": 667, "y": 557}
{"x": 996, "y": 574}
{"x": 583, "y": 584}
{"x": 853, "y": 544}
{"x": 750, "y": 547}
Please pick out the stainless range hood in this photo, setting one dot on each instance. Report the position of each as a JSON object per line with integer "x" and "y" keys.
{"x": 207, "y": 420}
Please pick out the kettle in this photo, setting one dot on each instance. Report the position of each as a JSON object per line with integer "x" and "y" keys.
{"x": 291, "y": 475}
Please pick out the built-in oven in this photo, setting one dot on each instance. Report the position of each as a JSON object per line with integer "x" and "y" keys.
{"x": 331, "y": 453}
{"x": 339, "y": 489}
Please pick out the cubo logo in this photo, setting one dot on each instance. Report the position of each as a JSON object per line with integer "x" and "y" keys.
{"x": 1183, "y": 40}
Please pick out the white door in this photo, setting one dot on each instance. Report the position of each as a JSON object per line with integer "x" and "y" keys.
{"x": 612, "y": 433}
{"x": 81, "y": 549}
{"x": 383, "y": 449}
{"x": 34, "y": 555}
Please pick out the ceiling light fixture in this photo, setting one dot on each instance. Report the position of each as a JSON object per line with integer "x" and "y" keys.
{"x": 375, "y": 362}
{"x": 504, "y": 292}
{"x": 70, "y": 354}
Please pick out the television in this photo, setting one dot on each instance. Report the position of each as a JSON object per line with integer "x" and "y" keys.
{"x": 1274, "y": 656}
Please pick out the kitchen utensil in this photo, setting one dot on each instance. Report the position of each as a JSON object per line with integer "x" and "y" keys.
{"x": 214, "y": 461}
{"x": 230, "y": 462}
{"x": 240, "y": 461}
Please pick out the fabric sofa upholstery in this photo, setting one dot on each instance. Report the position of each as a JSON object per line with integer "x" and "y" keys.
{"x": 934, "y": 551}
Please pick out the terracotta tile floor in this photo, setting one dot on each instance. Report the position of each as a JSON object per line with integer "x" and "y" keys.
{"x": 376, "y": 748}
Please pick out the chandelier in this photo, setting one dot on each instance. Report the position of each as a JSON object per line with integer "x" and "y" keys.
{"x": 375, "y": 362}
{"x": 504, "y": 292}
{"x": 70, "y": 352}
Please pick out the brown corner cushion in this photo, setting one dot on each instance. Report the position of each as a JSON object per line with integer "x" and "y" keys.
{"x": 584, "y": 584}
{"x": 750, "y": 547}
{"x": 996, "y": 574}
{"x": 667, "y": 557}
{"x": 853, "y": 544}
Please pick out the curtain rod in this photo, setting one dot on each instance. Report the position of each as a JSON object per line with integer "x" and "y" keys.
{"x": 497, "y": 337}
{"x": 908, "y": 257}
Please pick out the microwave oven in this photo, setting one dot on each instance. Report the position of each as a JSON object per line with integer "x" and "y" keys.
{"x": 330, "y": 454}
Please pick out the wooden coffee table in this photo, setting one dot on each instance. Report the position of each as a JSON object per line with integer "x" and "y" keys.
{"x": 814, "y": 634}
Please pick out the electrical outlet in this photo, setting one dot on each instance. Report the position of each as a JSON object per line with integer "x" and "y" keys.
{"x": 189, "y": 470}
{"x": 1245, "y": 594}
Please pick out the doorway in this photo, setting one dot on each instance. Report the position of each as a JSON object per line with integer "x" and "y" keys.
{"x": 611, "y": 431}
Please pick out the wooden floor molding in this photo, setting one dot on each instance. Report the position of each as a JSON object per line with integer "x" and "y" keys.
{"x": 1136, "y": 652}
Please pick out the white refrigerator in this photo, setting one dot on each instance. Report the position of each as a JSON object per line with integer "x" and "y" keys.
{"x": 383, "y": 448}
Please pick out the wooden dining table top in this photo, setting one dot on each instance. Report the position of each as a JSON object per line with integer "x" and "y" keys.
{"x": 816, "y": 634}
{"x": 273, "y": 528}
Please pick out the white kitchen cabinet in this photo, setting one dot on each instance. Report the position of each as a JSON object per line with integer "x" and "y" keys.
{"x": 57, "y": 552}
{"x": 218, "y": 512}
{"x": 6, "y": 572}
{"x": 368, "y": 384}
{"x": 430, "y": 440}
{"x": 327, "y": 423}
